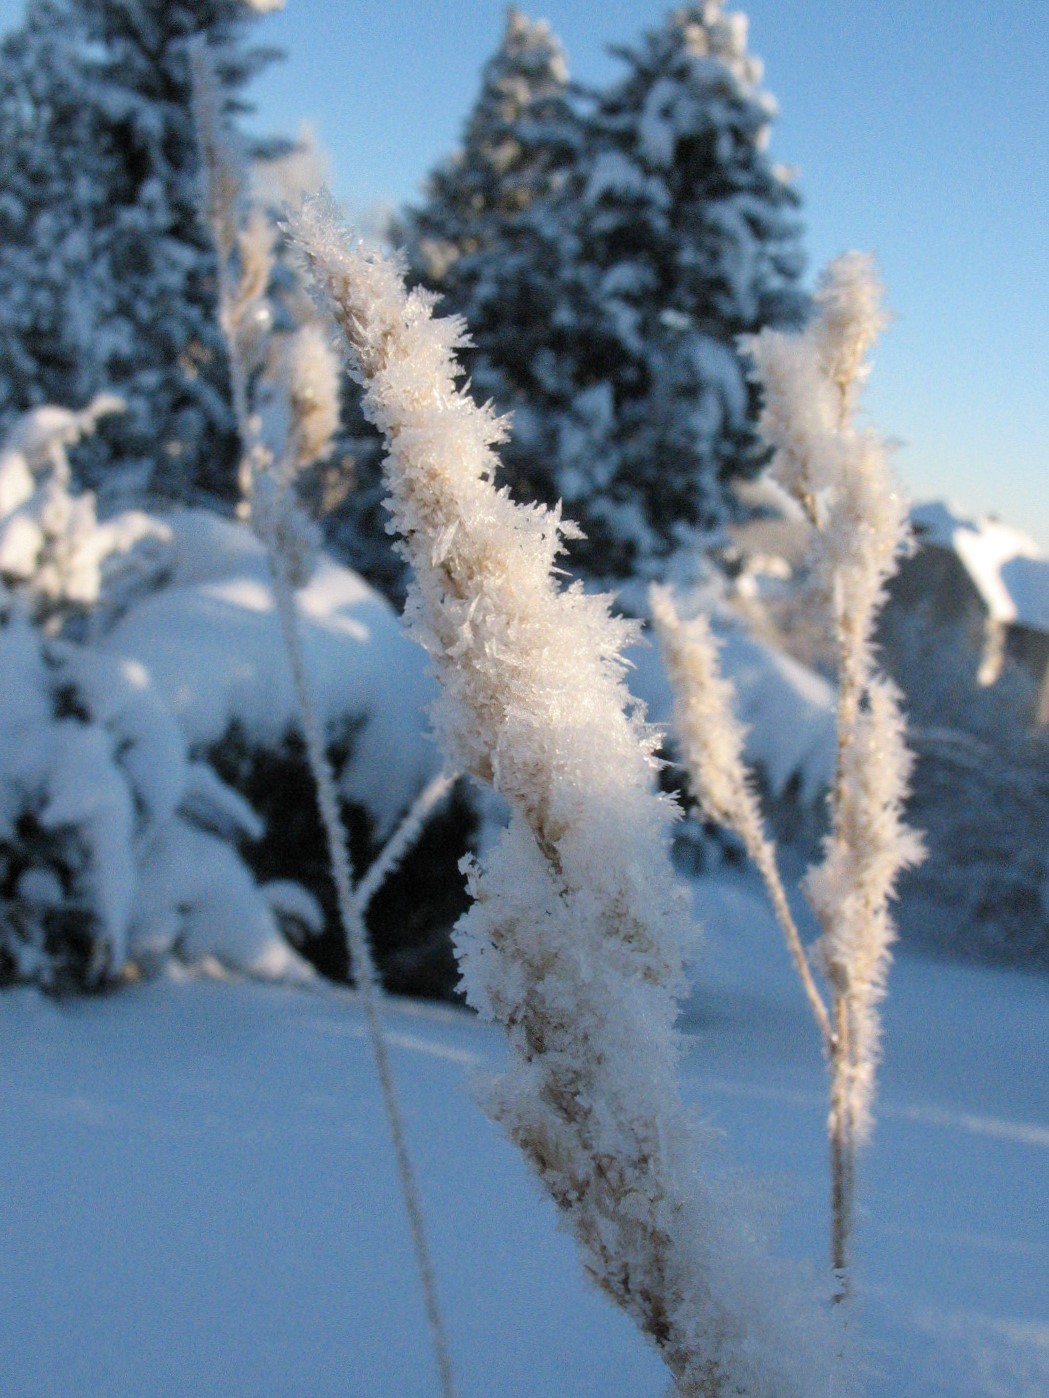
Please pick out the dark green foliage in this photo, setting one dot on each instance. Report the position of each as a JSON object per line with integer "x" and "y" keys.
{"x": 410, "y": 918}
{"x": 62, "y": 936}
{"x": 606, "y": 251}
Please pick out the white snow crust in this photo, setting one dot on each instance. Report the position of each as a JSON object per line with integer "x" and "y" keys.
{"x": 199, "y": 1191}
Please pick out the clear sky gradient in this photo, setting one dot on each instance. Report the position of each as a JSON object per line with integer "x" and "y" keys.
{"x": 920, "y": 132}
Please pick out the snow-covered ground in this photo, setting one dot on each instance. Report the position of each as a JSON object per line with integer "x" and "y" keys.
{"x": 199, "y": 1197}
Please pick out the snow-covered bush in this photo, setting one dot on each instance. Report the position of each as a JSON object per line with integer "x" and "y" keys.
{"x": 119, "y": 842}
{"x": 208, "y": 636}
{"x": 187, "y": 601}
{"x": 114, "y": 844}
{"x": 53, "y": 550}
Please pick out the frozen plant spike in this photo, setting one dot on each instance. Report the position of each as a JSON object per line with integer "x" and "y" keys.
{"x": 712, "y": 743}
{"x": 573, "y": 942}
{"x": 840, "y": 475}
{"x": 851, "y": 316}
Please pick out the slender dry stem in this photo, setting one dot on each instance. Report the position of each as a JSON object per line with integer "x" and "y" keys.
{"x": 363, "y": 968}
{"x": 222, "y": 199}
{"x": 763, "y": 853}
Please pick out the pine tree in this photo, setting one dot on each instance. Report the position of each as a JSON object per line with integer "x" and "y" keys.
{"x": 653, "y": 231}
{"x": 687, "y": 238}
{"x": 51, "y": 199}
{"x": 97, "y": 127}
{"x": 482, "y": 238}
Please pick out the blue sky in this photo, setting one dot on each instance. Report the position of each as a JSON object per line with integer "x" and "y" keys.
{"x": 920, "y": 132}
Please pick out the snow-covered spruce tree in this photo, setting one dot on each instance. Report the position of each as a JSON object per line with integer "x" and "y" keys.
{"x": 485, "y": 238}
{"x": 839, "y": 475}
{"x": 605, "y": 312}
{"x": 573, "y": 941}
{"x": 53, "y": 304}
{"x": 111, "y": 276}
{"x": 686, "y": 236}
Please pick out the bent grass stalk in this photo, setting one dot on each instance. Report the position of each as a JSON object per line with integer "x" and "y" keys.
{"x": 402, "y": 839}
{"x": 711, "y": 743}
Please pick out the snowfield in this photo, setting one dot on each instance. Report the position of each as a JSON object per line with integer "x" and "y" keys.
{"x": 200, "y": 1197}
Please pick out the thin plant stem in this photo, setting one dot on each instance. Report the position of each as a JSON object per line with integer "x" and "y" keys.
{"x": 402, "y": 839}
{"x": 220, "y": 215}
{"x": 362, "y": 965}
{"x": 839, "y": 475}
{"x": 842, "y": 1153}
{"x": 764, "y": 856}
{"x": 840, "y": 1126}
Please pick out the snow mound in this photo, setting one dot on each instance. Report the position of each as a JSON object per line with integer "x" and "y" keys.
{"x": 210, "y": 641}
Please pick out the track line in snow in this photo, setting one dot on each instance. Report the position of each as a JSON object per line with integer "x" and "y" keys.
{"x": 1024, "y": 1133}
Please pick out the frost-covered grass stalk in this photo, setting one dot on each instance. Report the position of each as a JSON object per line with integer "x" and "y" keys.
{"x": 573, "y": 939}
{"x": 711, "y": 741}
{"x": 839, "y": 473}
{"x": 301, "y": 419}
